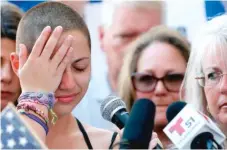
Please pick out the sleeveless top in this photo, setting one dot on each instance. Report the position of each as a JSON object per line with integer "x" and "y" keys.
{"x": 86, "y": 138}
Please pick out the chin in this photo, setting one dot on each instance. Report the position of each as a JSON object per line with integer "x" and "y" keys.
{"x": 223, "y": 119}
{"x": 4, "y": 103}
{"x": 62, "y": 110}
{"x": 160, "y": 122}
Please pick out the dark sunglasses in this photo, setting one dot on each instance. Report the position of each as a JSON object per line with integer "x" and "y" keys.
{"x": 145, "y": 82}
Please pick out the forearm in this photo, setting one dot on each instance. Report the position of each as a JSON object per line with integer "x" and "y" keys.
{"x": 39, "y": 130}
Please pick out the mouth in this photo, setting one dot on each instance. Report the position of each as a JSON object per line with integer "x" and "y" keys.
{"x": 66, "y": 98}
{"x": 6, "y": 94}
{"x": 223, "y": 105}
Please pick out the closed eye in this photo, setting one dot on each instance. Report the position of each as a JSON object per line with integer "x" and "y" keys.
{"x": 81, "y": 64}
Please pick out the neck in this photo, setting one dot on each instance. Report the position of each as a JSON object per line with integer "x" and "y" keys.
{"x": 162, "y": 137}
{"x": 64, "y": 124}
{"x": 223, "y": 128}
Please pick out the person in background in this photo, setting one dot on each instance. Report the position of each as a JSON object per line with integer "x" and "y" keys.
{"x": 10, "y": 85}
{"x": 123, "y": 22}
{"x": 205, "y": 82}
{"x": 154, "y": 68}
{"x": 117, "y": 30}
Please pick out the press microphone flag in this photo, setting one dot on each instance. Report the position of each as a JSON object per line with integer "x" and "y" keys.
{"x": 189, "y": 123}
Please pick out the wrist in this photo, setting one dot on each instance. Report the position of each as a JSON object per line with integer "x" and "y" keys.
{"x": 41, "y": 102}
{"x": 42, "y": 98}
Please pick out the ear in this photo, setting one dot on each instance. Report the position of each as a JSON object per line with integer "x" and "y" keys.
{"x": 101, "y": 35}
{"x": 14, "y": 58}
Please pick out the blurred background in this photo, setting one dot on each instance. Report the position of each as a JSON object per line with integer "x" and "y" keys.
{"x": 184, "y": 15}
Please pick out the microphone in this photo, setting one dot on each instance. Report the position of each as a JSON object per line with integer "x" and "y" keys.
{"x": 138, "y": 130}
{"x": 205, "y": 140}
{"x": 113, "y": 109}
{"x": 191, "y": 129}
{"x": 174, "y": 109}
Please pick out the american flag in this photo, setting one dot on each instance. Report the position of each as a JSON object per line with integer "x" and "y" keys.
{"x": 15, "y": 134}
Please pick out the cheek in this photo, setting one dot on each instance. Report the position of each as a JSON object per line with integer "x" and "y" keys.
{"x": 16, "y": 83}
{"x": 171, "y": 97}
{"x": 175, "y": 96}
{"x": 83, "y": 81}
{"x": 143, "y": 95}
{"x": 212, "y": 98}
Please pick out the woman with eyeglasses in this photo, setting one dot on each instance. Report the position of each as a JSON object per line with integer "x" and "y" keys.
{"x": 205, "y": 82}
{"x": 154, "y": 68}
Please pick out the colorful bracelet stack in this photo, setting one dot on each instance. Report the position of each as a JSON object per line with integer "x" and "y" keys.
{"x": 26, "y": 104}
{"x": 24, "y": 107}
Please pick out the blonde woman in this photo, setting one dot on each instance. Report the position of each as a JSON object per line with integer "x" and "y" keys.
{"x": 206, "y": 79}
{"x": 154, "y": 68}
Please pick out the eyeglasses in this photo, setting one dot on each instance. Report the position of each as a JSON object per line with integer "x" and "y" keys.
{"x": 146, "y": 82}
{"x": 211, "y": 79}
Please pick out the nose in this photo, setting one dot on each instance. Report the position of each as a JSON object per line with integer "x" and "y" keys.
{"x": 223, "y": 84}
{"x": 160, "y": 89}
{"x": 67, "y": 81}
{"x": 6, "y": 73}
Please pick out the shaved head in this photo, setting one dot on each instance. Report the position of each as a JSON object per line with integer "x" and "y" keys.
{"x": 51, "y": 14}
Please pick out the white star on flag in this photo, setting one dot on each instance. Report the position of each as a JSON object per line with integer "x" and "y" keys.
{"x": 9, "y": 128}
{"x": 9, "y": 115}
{"x": 11, "y": 143}
{"x": 23, "y": 141}
{"x": 22, "y": 129}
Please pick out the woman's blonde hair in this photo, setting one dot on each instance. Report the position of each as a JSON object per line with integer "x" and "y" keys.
{"x": 211, "y": 38}
{"x": 155, "y": 34}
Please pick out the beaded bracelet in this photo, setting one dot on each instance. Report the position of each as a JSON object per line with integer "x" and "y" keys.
{"x": 34, "y": 101}
{"x": 46, "y": 99}
{"x": 38, "y": 120}
{"x": 26, "y": 107}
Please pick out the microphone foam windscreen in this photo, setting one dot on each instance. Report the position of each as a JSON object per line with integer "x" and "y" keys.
{"x": 110, "y": 106}
{"x": 174, "y": 109}
{"x": 138, "y": 130}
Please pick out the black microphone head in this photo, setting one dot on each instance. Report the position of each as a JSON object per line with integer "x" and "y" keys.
{"x": 201, "y": 140}
{"x": 138, "y": 130}
{"x": 110, "y": 106}
{"x": 174, "y": 109}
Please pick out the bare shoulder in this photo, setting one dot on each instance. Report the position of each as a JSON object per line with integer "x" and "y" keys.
{"x": 100, "y": 138}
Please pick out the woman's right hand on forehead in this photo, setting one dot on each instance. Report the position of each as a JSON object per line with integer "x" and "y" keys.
{"x": 42, "y": 71}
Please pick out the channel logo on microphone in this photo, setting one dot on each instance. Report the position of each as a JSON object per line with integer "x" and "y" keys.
{"x": 187, "y": 124}
{"x": 183, "y": 124}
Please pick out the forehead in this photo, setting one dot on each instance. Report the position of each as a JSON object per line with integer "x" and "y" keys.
{"x": 161, "y": 56}
{"x": 128, "y": 18}
{"x": 80, "y": 43}
{"x": 215, "y": 57}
